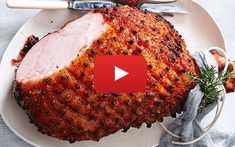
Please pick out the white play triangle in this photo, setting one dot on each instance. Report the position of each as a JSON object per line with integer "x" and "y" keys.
{"x": 119, "y": 73}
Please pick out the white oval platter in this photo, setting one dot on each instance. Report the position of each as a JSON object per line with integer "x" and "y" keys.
{"x": 197, "y": 28}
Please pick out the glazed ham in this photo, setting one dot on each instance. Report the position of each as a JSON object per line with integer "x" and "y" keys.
{"x": 54, "y": 82}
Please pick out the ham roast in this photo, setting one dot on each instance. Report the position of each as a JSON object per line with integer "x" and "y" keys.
{"x": 54, "y": 82}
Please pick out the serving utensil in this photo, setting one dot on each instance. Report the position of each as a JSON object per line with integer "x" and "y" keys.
{"x": 52, "y": 4}
{"x": 165, "y": 8}
{"x": 77, "y": 5}
{"x": 139, "y": 3}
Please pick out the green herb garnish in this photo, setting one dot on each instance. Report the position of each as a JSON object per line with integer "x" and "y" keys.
{"x": 208, "y": 84}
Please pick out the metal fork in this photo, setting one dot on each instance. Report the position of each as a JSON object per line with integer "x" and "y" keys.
{"x": 139, "y": 3}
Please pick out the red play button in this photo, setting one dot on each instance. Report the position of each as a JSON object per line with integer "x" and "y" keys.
{"x": 120, "y": 74}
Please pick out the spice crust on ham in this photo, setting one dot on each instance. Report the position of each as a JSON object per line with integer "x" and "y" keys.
{"x": 54, "y": 82}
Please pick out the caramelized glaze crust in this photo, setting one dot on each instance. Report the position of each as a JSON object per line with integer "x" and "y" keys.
{"x": 65, "y": 105}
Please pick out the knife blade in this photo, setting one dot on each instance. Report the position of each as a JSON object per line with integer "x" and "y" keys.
{"x": 89, "y": 5}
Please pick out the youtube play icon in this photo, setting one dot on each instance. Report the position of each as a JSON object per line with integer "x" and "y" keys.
{"x": 120, "y": 74}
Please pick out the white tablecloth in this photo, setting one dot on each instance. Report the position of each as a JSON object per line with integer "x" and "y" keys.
{"x": 223, "y": 12}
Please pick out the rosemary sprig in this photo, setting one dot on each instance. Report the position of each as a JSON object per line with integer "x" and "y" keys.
{"x": 208, "y": 84}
